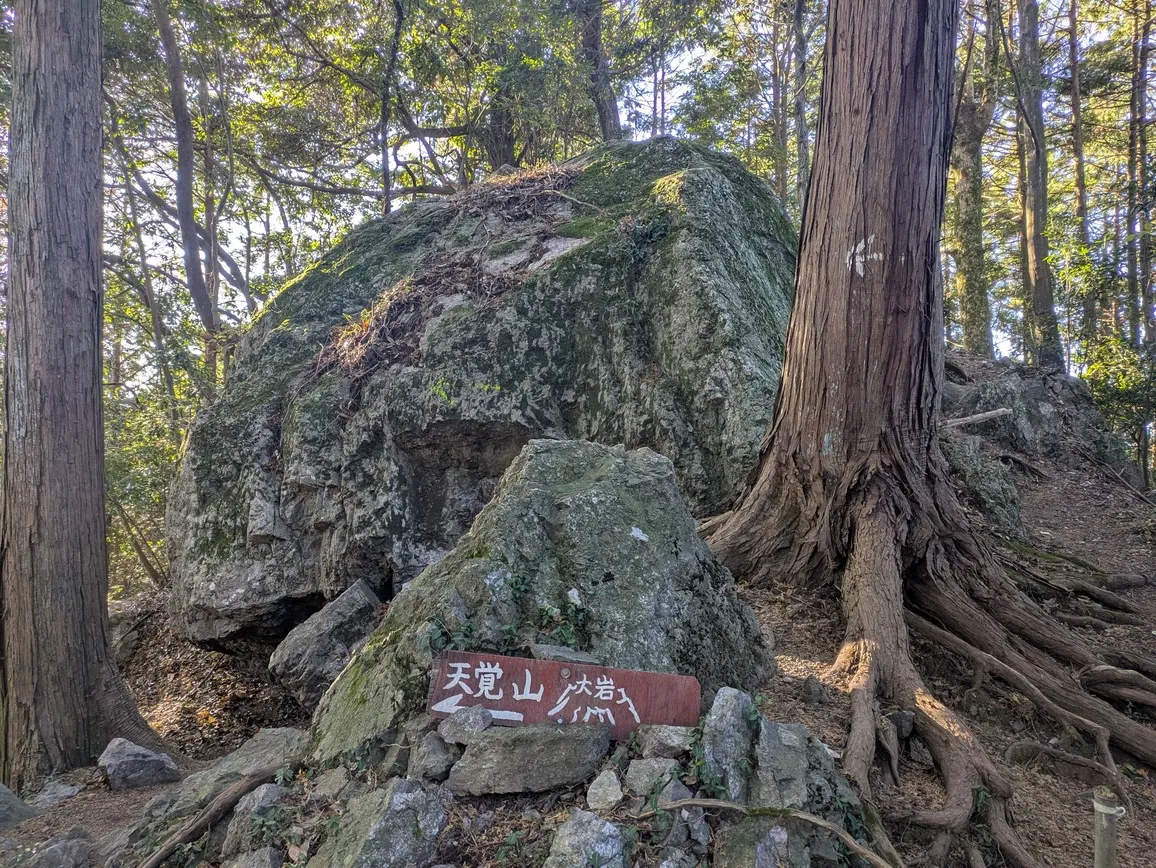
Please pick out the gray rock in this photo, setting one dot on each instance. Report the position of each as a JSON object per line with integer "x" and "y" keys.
{"x": 586, "y": 839}
{"x": 815, "y": 692}
{"x": 73, "y": 849}
{"x": 605, "y": 793}
{"x": 432, "y": 759}
{"x": 283, "y": 498}
{"x": 124, "y": 625}
{"x": 388, "y": 828}
{"x": 781, "y": 775}
{"x": 465, "y": 725}
{"x": 904, "y": 723}
{"x": 12, "y": 809}
{"x": 989, "y": 485}
{"x": 677, "y": 859}
{"x": 676, "y": 791}
{"x": 562, "y": 654}
{"x": 269, "y": 747}
{"x": 760, "y": 843}
{"x": 259, "y": 804}
{"x": 329, "y": 784}
{"x": 919, "y": 753}
{"x": 129, "y": 766}
{"x": 642, "y": 775}
{"x": 315, "y": 651}
{"x": 728, "y": 741}
{"x": 266, "y": 857}
{"x": 657, "y": 740}
{"x": 55, "y": 792}
{"x": 529, "y": 759}
{"x": 565, "y": 516}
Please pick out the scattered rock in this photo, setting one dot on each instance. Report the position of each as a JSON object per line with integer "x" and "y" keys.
{"x": 760, "y": 843}
{"x": 387, "y": 828}
{"x": 259, "y": 804}
{"x": 12, "y": 809}
{"x": 642, "y": 775}
{"x": 727, "y": 741}
{"x": 677, "y": 859}
{"x": 529, "y": 759}
{"x": 315, "y": 651}
{"x": 329, "y": 784}
{"x": 560, "y": 522}
{"x": 279, "y": 483}
{"x": 815, "y": 692}
{"x": 73, "y": 849}
{"x": 919, "y": 753}
{"x": 55, "y": 792}
{"x": 266, "y": 857}
{"x": 465, "y": 725}
{"x": 676, "y": 791}
{"x": 904, "y": 723}
{"x": 605, "y": 793}
{"x": 780, "y": 778}
{"x": 657, "y": 740}
{"x": 124, "y": 634}
{"x": 129, "y": 766}
{"x": 562, "y": 654}
{"x": 586, "y": 839}
{"x": 432, "y": 759}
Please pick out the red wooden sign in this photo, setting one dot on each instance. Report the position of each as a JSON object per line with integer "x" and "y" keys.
{"x": 519, "y": 690}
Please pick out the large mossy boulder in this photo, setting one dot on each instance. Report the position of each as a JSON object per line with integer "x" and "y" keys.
{"x": 582, "y": 544}
{"x": 636, "y": 295}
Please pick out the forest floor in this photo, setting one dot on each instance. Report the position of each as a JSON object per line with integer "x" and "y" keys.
{"x": 206, "y": 703}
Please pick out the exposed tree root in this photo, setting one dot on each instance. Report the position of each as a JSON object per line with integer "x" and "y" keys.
{"x": 905, "y": 557}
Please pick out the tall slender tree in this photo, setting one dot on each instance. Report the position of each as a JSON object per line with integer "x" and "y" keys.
{"x": 852, "y": 492}
{"x": 63, "y": 699}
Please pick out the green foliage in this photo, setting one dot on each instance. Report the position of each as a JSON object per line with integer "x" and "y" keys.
{"x": 1122, "y": 378}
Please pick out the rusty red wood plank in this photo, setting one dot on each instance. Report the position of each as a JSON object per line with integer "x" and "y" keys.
{"x": 519, "y": 690}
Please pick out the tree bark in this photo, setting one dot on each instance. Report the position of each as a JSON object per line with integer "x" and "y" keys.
{"x": 387, "y": 103}
{"x": 183, "y": 124}
{"x": 852, "y": 494}
{"x": 592, "y": 54}
{"x": 802, "y": 136}
{"x": 63, "y": 699}
{"x": 1045, "y": 327}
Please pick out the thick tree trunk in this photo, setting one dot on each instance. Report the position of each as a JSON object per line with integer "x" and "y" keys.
{"x": 63, "y": 699}
{"x": 592, "y": 53}
{"x": 1046, "y": 331}
{"x": 852, "y": 494}
{"x": 183, "y": 124}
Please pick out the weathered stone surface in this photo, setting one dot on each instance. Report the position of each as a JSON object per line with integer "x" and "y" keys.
{"x": 129, "y": 766}
{"x": 673, "y": 742}
{"x": 642, "y": 775}
{"x": 124, "y": 623}
{"x": 389, "y": 828}
{"x": 269, "y": 747}
{"x": 254, "y": 806}
{"x": 904, "y": 722}
{"x": 528, "y": 759}
{"x": 73, "y": 849}
{"x": 659, "y": 326}
{"x": 562, "y": 654}
{"x": 266, "y": 857}
{"x": 605, "y": 793}
{"x": 586, "y": 839}
{"x": 570, "y": 521}
{"x": 53, "y": 793}
{"x": 432, "y": 759}
{"x": 990, "y": 485}
{"x": 465, "y": 724}
{"x": 315, "y": 651}
{"x": 12, "y": 809}
{"x": 728, "y": 741}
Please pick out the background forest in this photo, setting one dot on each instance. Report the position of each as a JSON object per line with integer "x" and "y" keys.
{"x": 243, "y": 137}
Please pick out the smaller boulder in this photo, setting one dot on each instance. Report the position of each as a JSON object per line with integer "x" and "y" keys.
{"x": 12, "y": 809}
{"x": 586, "y": 839}
{"x": 253, "y": 807}
{"x": 129, "y": 766}
{"x": 529, "y": 759}
{"x": 727, "y": 741}
{"x": 73, "y": 849}
{"x": 657, "y": 740}
{"x": 329, "y": 784}
{"x": 644, "y": 774}
{"x": 904, "y": 723}
{"x": 815, "y": 692}
{"x": 432, "y": 759}
{"x": 605, "y": 793}
{"x": 53, "y": 793}
{"x": 311, "y": 657}
{"x": 266, "y": 857}
{"x": 465, "y": 725}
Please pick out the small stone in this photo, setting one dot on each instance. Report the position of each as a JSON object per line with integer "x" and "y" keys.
{"x": 73, "y": 849}
{"x": 728, "y": 741}
{"x": 330, "y": 783}
{"x": 676, "y": 791}
{"x": 674, "y": 858}
{"x": 586, "y": 839}
{"x": 129, "y": 766}
{"x": 815, "y": 692}
{"x": 643, "y": 775}
{"x": 605, "y": 794}
{"x": 266, "y": 857}
{"x": 904, "y": 723}
{"x": 657, "y": 740}
{"x": 562, "y": 654}
{"x": 919, "y": 753}
{"x": 529, "y": 759}
{"x": 432, "y": 759}
{"x": 465, "y": 725}
{"x": 12, "y": 809}
{"x": 780, "y": 777}
{"x": 55, "y": 792}
{"x": 483, "y": 821}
